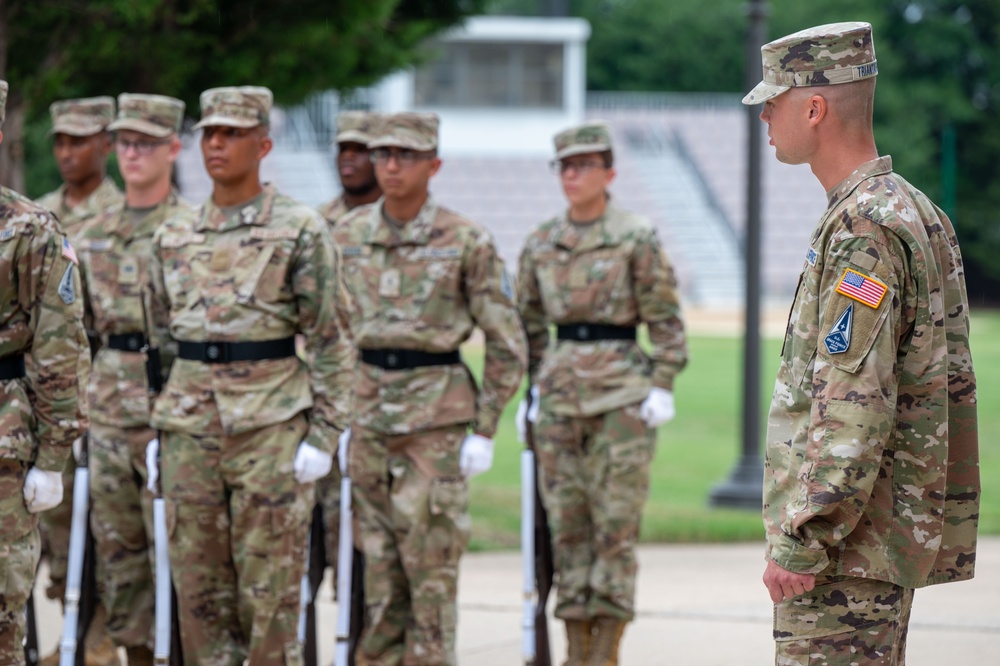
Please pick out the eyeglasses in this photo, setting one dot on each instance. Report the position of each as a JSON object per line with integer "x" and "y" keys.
{"x": 142, "y": 147}
{"x": 562, "y": 166}
{"x": 404, "y": 157}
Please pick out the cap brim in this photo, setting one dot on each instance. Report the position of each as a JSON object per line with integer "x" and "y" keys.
{"x": 353, "y": 136}
{"x": 764, "y": 91}
{"x": 396, "y": 142}
{"x": 582, "y": 149}
{"x": 226, "y": 121}
{"x": 141, "y": 126}
{"x": 76, "y": 130}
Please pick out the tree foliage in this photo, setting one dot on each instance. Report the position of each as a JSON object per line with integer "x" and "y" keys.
{"x": 55, "y": 49}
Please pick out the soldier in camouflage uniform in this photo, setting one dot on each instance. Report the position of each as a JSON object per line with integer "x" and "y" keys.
{"x": 247, "y": 426}
{"x": 81, "y": 144}
{"x": 871, "y": 483}
{"x": 115, "y": 247}
{"x": 357, "y": 173}
{"x": 596, "y": 272}
{"x": 357, "y": 178}
{"x": 421, "y": 278}
{"x": 43, "y": 356}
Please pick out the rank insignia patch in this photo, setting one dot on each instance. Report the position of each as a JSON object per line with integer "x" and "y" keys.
{"x": 839, "y": 339}
{"x": 861, "y": 288}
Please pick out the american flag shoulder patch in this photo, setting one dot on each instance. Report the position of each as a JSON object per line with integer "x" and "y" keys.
{"x": 69, "y": 252}
{"x": 861, "y": 288}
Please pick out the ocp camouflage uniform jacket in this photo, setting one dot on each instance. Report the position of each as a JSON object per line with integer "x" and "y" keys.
{"x": 41, "y": 310}
{"x": 425, "y": 287}
{"x": 334, "y": 209}
{"x": 115, "y": 258}
{"x": 612, "y": 271}
{"x": 107, "y": 195}
{"x": 872, "y": 453}
{"x": 267, "y": 272}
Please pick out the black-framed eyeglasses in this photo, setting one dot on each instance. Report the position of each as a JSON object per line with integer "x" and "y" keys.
{"x": 579, "y": 166}
{"x": 404, "y": 156}
{"x": 141, "y": 147}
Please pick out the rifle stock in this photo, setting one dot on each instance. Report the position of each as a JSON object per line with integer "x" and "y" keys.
{"x": 544, "y": 567}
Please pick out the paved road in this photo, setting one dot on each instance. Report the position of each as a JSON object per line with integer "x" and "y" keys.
{"x": 699, "y": 605}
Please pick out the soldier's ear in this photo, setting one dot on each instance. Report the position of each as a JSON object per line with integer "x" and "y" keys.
{"x": 816, "y": 109}
{"x": 264, "y": 147}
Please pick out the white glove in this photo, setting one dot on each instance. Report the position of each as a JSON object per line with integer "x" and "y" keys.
{"x": 77, "y": 449}
{"x": 311, "y": 463}
{"x": 476, "y": 455}
{"x": 152, "y": 464}
{"x": 43, "y": 490}
{"x": 343, "y": 442}
{"x": 525, "y": 415}
{"x": 658, "y": 407}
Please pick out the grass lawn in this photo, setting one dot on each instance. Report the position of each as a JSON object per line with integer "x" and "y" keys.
{"x": 699, "y": 448}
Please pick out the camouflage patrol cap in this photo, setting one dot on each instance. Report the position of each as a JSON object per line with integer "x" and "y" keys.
{"x": 155, "y": 115}
{"x": 82, "y": 117}
{"x": 593, "y": 137}
{"x": 416, "y": 131}
{"x": 3, "y": 101}
{"x": 236, "y": 106}
{"x": 825, "y": 55}
{"x": 357, "y": 126}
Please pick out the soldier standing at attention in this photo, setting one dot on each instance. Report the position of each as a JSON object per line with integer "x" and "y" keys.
{"x": 247, "y": 426}
{"x": 115, "y": 247}
{"x": 871, "y": 485}
{"x": 596, "y": 272}
{"x": 357, "y": 178}
{"x": 421, "y": 278}
{"x": 81, "y": 144}
{"x": 357, "y": 173}
{"x": 40, "y": 416}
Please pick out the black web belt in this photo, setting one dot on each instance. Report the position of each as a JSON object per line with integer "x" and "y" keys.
{"x": 407, "y": 359}
{"x": 229, "y": 352}
{"x": 127, "y": 342}
{"x": 12, "y": 367}
{"x": 594, "y": 332}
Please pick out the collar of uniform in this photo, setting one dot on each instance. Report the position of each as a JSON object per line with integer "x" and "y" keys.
{"x": 105, "y": 196}
{"x": 580, "y": 239}
{"x": 257, "y": 213}
{"x": 119, "y": 224}
{"x": 415, "y": 232}
{"x": 876, "y": 167}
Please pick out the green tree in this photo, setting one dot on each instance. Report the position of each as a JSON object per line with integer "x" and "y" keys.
{"x": 51, "y": 49}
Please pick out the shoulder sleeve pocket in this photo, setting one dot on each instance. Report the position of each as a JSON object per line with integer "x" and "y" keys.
{"x": 857, "y": 306}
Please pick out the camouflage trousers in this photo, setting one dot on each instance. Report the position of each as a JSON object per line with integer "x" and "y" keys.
{"x": 121, "y": 518}
{"x": 55, "y": 525}
{"x": 594, "y": 482}
{"x": 411, "y": 504}
{"x": 238, "y": 523}
{"x": 328, "y": 497}
{"x": 19, "y": 552}
{"x": 844, "y": 621}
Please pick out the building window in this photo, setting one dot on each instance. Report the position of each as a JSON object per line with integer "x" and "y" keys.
{"x": 492, "y": 74}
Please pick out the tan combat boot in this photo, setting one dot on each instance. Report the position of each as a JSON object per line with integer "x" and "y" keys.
{"x": 607, "y": 637}
{"x": 579, "y": 634}
{"x": 100, "y": 649}
{"x": 139, "y": 655}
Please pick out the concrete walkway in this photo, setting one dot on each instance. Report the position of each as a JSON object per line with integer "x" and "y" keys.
{"x": 698, "y": 605}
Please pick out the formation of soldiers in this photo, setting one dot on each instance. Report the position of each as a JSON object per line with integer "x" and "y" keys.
{"x": 249, "y": 351}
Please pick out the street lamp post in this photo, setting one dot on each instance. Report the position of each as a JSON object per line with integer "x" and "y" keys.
{"x": 743, "y": 487}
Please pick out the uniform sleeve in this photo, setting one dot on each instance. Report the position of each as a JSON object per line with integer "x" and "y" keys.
{"x": 853, "y": 406}
{"x": 529, "y": 304}
{"x": 490, "y": 293}
{"x": 158, "y": 311}
{"x": 659, "y": 307}
{"x": 60, "y": 356}
{"x": 323, "y": 304}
